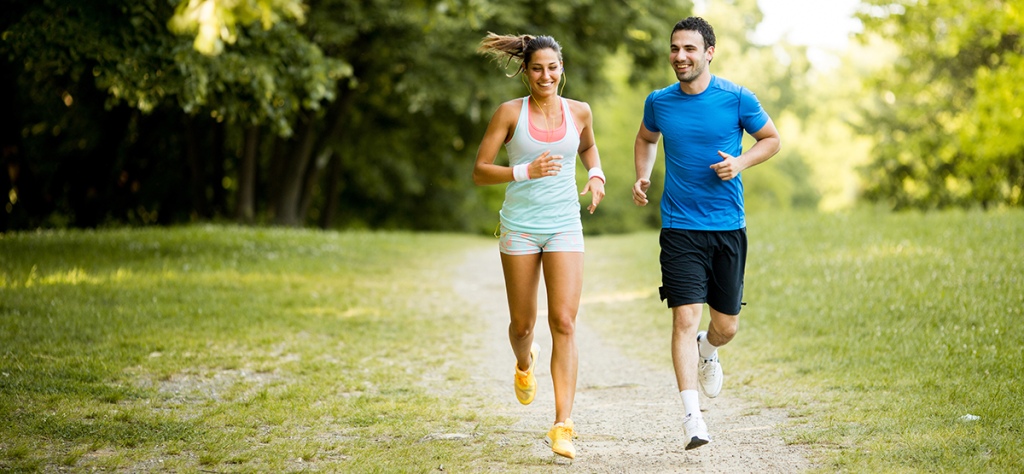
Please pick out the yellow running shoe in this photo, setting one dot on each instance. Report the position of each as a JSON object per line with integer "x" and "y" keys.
{"x": 526, "y": 383}
{"x": 561, "y": 436}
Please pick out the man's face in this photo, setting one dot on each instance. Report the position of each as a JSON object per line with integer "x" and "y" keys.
{"x": 689, "y": 58}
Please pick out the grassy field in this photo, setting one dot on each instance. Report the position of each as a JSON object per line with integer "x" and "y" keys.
{"x": 883, "y": 334}
{"x": 238, "y": 350}
{"x": 230, "y": 350}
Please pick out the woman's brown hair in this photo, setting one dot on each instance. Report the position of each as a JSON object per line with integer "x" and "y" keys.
{"x": 518, "y": 47}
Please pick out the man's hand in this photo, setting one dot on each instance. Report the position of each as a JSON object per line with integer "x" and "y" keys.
{"x": 640, "y": 192}
{"x": 728, "y": 168}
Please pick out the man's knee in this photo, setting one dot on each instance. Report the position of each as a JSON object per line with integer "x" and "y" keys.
{"x": 686, "y": 318}
{"x": 723, "y": 329}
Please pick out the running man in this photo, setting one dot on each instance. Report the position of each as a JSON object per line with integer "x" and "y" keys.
{"x": 703, "y": 236}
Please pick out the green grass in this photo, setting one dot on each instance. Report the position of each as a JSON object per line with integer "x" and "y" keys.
{"x": 239, "y": 350}
{"x": 232, "y": 350}
{"x": 878, "y": 332}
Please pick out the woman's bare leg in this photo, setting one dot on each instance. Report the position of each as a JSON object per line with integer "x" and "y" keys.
{"x": 522, "y": 279}
{"x": 563, "y": 277}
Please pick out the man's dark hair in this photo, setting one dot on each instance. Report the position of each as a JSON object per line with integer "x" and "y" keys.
{"x": 696, "y": 23}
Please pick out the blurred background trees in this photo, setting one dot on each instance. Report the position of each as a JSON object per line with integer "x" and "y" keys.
{"x": 946, "y": 115}
{"x": 345, "y": 113}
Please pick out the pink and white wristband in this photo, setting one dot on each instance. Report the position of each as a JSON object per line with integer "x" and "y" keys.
{"x": 520, "y": 173}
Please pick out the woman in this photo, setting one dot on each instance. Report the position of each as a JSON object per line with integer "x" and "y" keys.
{"x": 540, "y": 218}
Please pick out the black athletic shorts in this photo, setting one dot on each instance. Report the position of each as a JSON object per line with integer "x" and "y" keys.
{"x": 703, "y": 267}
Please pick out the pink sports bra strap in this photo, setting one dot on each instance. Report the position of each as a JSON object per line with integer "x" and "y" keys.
{"x": 550, "y": 136}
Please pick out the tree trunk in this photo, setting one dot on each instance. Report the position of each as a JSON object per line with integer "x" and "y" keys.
{"x": 278, "y": 161}
{"x": 218, "y": 155}
{"x": 312, "y": 178}
{"x": 245, "y": 199}
{"x": 332, "y": 193}
{"x": 294, "y": 172}
{"x": 335, "y": 131}
{"x": 196, "y": 170}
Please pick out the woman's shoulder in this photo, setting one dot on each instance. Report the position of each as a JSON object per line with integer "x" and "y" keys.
{"x": 511, "y": 107}
{"x": 579, "y": 108}
{"x": 512, "y": 104}
{"x": 508, "y": 111}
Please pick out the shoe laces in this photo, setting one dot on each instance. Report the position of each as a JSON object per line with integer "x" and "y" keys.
{"x": 563, "y": 433}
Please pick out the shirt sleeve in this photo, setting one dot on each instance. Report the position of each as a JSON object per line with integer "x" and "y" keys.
{"x": 752, "y": 115}
{"x": 649, "y": 119}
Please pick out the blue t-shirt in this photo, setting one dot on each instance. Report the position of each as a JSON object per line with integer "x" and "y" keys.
{"x": 695, "y": 128}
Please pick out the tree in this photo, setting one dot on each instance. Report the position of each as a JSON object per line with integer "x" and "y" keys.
{"x": 946, "y": 115}
{"x": 137, "y": 102}
{"x": 365, "y": 114}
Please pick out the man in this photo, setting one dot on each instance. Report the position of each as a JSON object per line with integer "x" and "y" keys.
{"x": 703, "y": 236}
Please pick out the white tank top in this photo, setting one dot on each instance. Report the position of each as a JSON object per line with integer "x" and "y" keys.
{"x": 549, "y": 204}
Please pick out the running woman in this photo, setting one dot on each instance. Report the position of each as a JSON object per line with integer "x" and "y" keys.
{"x": 540, "y": 226}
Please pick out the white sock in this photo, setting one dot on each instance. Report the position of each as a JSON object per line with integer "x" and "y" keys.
{"x": 707, "y": 351}
{"x": 691, "y": 402}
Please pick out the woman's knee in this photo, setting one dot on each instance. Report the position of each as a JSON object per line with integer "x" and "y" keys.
{"x": 521, "y": 330}
{"x": 563, "y": 323}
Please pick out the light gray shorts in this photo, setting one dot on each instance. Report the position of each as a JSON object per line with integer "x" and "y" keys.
{"x": 511, "y": 242}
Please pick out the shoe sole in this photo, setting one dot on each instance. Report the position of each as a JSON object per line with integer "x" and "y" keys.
{"x": 565, "y": 454}
{"x": 710, "y": 395}
{"x": 696, "y": 442}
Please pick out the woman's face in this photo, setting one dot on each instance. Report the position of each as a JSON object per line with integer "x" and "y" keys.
{"x": 544, "y": 72}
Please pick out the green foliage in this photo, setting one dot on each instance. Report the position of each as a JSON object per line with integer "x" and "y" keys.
{"x": 878, "y": 332}
{"x": 215, "y": 22}
{"x": 360, "y": 114}
{"x": 945, "y": 115}
{"x": 127, "y": 52}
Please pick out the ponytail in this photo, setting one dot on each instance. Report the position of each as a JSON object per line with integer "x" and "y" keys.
{"x": 516, "y": 47}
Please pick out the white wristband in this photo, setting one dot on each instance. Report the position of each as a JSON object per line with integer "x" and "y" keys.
{"x": 596, "y": 172}
{"x": 520, "y": 173}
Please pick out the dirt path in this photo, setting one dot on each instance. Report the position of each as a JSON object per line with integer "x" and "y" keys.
{"x": 627, "y": 414}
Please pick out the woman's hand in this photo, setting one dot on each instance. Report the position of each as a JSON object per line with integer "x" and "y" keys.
{"x": 596, "y": 186}
{"x": 545, "y": 165}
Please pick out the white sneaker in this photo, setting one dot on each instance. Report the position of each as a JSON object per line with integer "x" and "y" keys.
{"x": 709, "y": 373}
{"x": 696, "y": 431}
